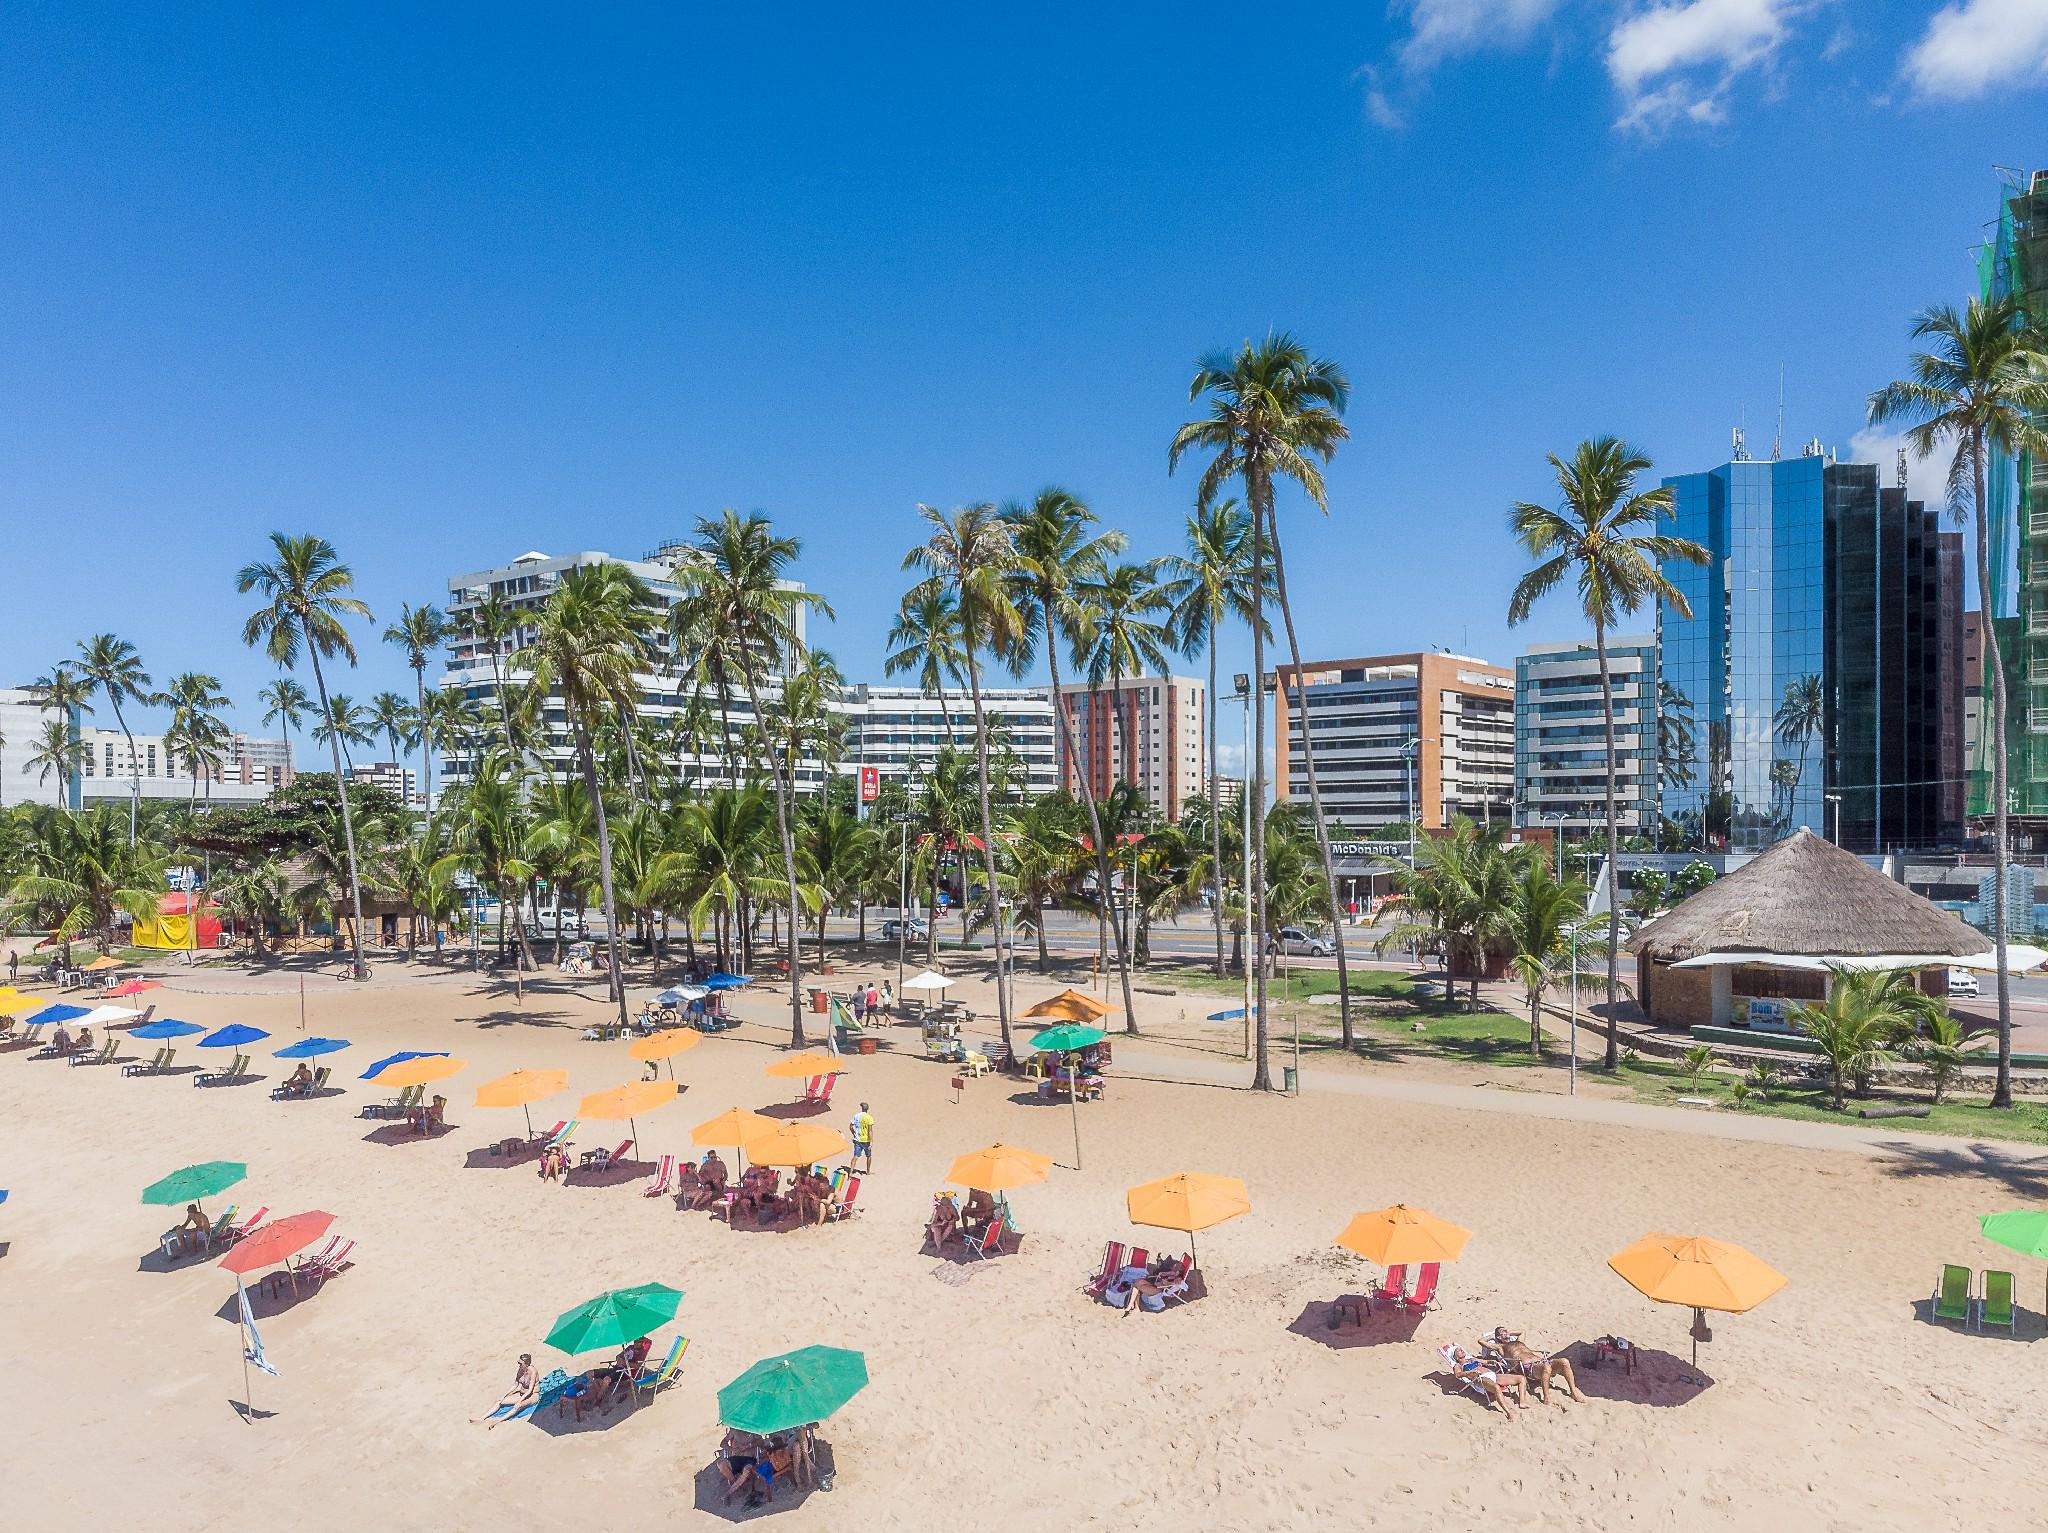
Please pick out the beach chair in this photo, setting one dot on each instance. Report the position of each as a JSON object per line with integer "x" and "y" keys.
{"x": 104, "y": 1056}
{"x": 1392, "y": 1289}
{"x": 991, "y": 1242}
{"x": 600, "y": 1157}
{"x": 1996, "y": 1307}
{"x": 1112, "y": 1264}
{"x": 1952, "y": 1298}
{"x": 662, "y": 1173}
{"x": 398, "y": 1106}
{"x": 330, "y": 1263}
{"x": 1424, "y": 1298}
{"x": 819, "y": 1088}
{"x": 321, "y": 1076}
{"x": 561, "y": 1134}
{"x": 841, "y": 1207}
{"x": 169, "y": 1239}
{"x": 1449, "y": 1365}
{"x": 222, "y": 1077}
{"x": 151, "y": 1067}
{"x": 226, "y": 1232}
{"x": 976, "y": 1063}
{"x": 652, "y": 1381}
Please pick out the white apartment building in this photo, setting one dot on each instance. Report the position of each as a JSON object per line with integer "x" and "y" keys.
{"x": 21, "y": 734}
{"x": 249, "y": 772}
{"x": 1561, "y": 737}
{"x": 900, "y": 729}
{"x": 393, "y": 777}
{"x": 667, "y": 700}
{"x": 1148, "y": 732}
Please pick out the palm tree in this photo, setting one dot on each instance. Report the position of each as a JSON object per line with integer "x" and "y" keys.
{"x": 113, "y": 668}
{"x": 1047, "y": 859}
{"x": 1210, "y": 582}
{"x": 736, "y": 592}
{"x": 347, "y": 722}
{"x": 594, "y": 638}
{"x": 1981, "y": 387}
{"x": 56, "y": 750}
{"x": 1941, "y": 1048}
{"x": 81, "y": 874}
{"x": 1132, "y": 634}
{"x": 492, "y": 843}
{"x": 1801, "y": 715}
{"x": 285, "y": 703}
{"x": 970, "y": 552}
{"x": 1058, "y": 557}
{"x": 1597, "y": 537}
{"x": 394, "y": 718}
{"x": 494, "y": 622}
{"x": 1542, "y": 912}
{"x": 1272, "y": 408}
{"x": 308, "y": 587}
{"x": 730, "y": 833}
{"x": 197, "y": 731}
{"x": 1856, "y": 1027}
{"x": 926, "y": 639}
{"x": 837, "y": 850}
{"x": 420, "y": 631}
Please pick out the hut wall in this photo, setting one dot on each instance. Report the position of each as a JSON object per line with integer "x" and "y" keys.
{"x": 1676, "y": 997}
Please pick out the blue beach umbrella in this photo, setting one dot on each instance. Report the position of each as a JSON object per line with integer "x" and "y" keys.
{"x": 50, "y": 1014}
{"x": 727, "y": 981}
{"x": 233, "y": 1036}
{"x": 1229, "y": 1016}
{"x": 311, "y": 1048}
{"x": 170, "y": 1027}
{"x": 393, "y": 1059}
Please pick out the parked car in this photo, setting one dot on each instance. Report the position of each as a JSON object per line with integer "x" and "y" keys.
{"x": 910, "y": 928}
{"x": 541, "y": 923}
{"x": 1963, "y": 982}
{"x": 1294, "y": 941}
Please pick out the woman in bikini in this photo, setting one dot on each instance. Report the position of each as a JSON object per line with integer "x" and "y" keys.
{"x": 1498, "y": 1386}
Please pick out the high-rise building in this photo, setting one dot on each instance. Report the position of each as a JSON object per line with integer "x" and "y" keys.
{"x": 1816, "y": 681}
{"x": 394, "y": 777}
{"x": 899, "y": 730}
{"x": 1147, "y": 731}
{"x": 2014, "y": 263}
{"x": 1398, "y": 737}
{"x": 1973, "y": 683}
{"x": 1561, "y": 737}
{"x": 21, "y": 735}
{"x": 106, "y": 774}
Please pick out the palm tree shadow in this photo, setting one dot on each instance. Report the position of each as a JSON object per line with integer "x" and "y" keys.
{"x": 2025, "y": 1178}
{"x": 521, "y": 1018}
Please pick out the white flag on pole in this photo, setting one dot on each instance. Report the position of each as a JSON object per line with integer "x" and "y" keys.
{"x": 252, "y": 1339}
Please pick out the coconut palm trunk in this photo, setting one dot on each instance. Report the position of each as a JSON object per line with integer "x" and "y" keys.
{"x": 781, "y": 786}
{"x": 348, "y": 823}
{"x": 1259, "y": 491}
{"x": 2001, "y": 1091}
{"x": 1215, "y": 814}
{"x": 586, "y": 759}
{"x": 1611, "y": 1058}
{"x": 1315, "y": 791}
{"x": 988, "y": 843}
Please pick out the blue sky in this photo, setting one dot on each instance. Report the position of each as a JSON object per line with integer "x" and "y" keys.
{"x": 446, "y": 287}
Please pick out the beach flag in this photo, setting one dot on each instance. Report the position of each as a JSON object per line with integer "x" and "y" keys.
{"x": 252, "y": 1346}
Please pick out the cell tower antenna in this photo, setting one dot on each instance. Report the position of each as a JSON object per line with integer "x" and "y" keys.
{"x": 1778, "y": 436}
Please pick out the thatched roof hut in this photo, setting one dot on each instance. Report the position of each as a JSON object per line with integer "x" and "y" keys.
{"x": 1806, "y": 898}
{"x": 1766, "y": 935}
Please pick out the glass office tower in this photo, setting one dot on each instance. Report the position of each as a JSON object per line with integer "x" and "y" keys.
{"x": 1741, "y": 680}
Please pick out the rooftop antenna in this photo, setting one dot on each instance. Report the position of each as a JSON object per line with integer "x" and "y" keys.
{"x": 1778, "y": 436}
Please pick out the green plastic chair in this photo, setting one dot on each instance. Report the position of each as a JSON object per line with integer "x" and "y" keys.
{"x": 1952, "y": 1299}
{"x": 1996, "y": 1307}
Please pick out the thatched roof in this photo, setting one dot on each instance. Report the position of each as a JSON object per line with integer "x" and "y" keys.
{"x": 1809, "y": 898}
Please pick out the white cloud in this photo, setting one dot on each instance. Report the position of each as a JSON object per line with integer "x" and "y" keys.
{"x": 1926, "y": 478}
{"x": 1377, "y": 104}
{"x": 1974, "y": 45}
{"x": 1445, "y": 29}
{"x": 1675, "y": 61}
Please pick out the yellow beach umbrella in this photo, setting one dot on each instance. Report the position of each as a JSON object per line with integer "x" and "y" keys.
{"x": 999, "y": 1168}
{"x": 795, "y": 1144}
{"x": 1189, "y": 1201}
{"x": 1400, "y": 1236}
{"x": 665, "y": 1045}
{"x": 520, "y": 1088}
{"x": 803, "y": 1066}
{"x": 734, "y": 1127}
{"x": 1698, "y": 1272}
{"x": 1070, "y": 1006}
{"x": 103, "y": 962}
{"x": 423, "y": 1071}
{"x": 13, "y": 1001}
{"x": 627, "y": 1102}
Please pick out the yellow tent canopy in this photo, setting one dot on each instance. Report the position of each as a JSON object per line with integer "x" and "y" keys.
{"x": 665, "y": 1045}
{"x": 735, "y": 1126}
{"x": 627, "y": 1101}
{"x": 1698, "y": 1272}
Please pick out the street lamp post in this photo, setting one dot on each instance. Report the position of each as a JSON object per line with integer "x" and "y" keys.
{"x": 1835, "y": 808}
{"x": 1244, "y": 815}
{"x": 1411, "y": 748}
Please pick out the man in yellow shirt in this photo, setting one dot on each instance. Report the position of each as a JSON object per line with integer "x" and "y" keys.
{"x": 863, "y": 1135}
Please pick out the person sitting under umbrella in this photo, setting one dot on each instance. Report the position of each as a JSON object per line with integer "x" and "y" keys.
{"x": 743, "y": 1462}
{"x": 811, "y": 1194}
{"x": 554, "y": 1163}
{"x": 196, "y": 1230}
{"x": 944, "y": 1224}
{"x": 1165, "y": 1278}
{"x": 688, "y": 1185}
{"x": 605, "y": 1382}
{"x": 430, "y": 1117}
{"x": 1537, "y": 1367}
{"x": 757, "y": 1199}
{"x": 60, "y": 1041}
{"x": 299, "y": 1082}
{"x": 980, "y": 1209}
{"x": 711, "y": 1179}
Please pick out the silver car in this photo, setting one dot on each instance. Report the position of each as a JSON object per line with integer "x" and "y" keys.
{"x": 1297, "y": 943}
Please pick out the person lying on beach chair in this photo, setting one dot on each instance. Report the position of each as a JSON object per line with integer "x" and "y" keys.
{"x": 944, "y": 1224}
{"x": 524, "y": 1391}
{"x": 711, "y": 1181}
{"x": 1166, "y": 1278}
{"x": 1539, "y": 1368}
{"x": 554, "y": 1163}
{"x": 1486, "y": 1379}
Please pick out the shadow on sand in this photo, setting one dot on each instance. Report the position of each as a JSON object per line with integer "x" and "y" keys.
{"x": 1322, "y": 1321}
{"x": 2024, "y": 1176}
{"x": 273, "y": 1294}
{"x": 711, "y": 1491}
{"x": 794, "y": 1110}
{"x": 402, "y": 1133}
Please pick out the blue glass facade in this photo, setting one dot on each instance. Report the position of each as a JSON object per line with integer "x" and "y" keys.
{"x": 1737, "y": 769}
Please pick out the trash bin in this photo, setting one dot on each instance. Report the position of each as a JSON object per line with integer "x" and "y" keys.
{"x": 1288, "y": 1083}
{"x": 820, "y": 1002}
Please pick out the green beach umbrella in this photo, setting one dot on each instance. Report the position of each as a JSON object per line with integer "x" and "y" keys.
{"x": 193, "y": 1183}
{"x": 615, "y": 1318}
{"x": 1064, "y": 1038}
{"x": 792, "y": 1390}
{"x": 2024, "y": 1230}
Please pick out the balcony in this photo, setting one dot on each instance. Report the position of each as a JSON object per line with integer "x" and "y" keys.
{"x": 2037, "y": 721}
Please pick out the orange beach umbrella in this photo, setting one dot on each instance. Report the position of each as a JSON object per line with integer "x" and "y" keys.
{"x": 275, "y": 1241}
{"x": 628, "y": 1102}
{"x": 1188, "y": 1201}
{"x": 520, "y": 1088}
{"x": 734, "y": 1127}
{"x": 423, "y": 1071}
{"x": 1699, "y": 1272}
{"x": 665, "y": 1045}
{"x": 999, "y": 1168}
{"x": 795, "y": 1144}
{"x": 803, "y": 1066}
{"x": 1401, "y": 1235}
{"x": 103, "y": 962}
{"x": 1070, "y": 1006}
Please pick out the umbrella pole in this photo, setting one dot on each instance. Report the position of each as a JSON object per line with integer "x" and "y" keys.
{"x": 529, "y": 1119}
{"x": 1074, "y": 1107}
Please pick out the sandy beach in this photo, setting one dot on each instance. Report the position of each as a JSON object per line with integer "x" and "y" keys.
{"x": 1000, "y": 1395}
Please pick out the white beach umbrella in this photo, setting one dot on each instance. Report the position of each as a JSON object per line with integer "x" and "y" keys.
{"x": 931, "y": 979}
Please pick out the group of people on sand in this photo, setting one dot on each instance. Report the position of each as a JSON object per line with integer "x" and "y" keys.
{"x": 602, "y": 1387}
{"x": 951, "y": 1222}
{"x": 752, "y": 1463}
{"x": 63, "y": 1043}
{"x": 1505, "y": 1367}
{"x": 1151, "y": 1285}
